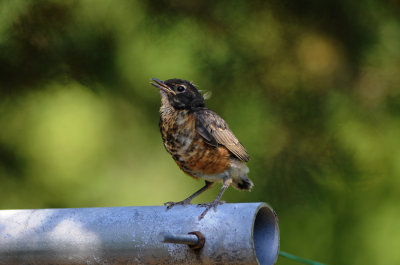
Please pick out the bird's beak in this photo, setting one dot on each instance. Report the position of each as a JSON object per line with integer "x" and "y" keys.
{"x": 162, "y": 86}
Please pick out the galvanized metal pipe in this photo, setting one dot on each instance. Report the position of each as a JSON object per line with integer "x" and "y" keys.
{"x": 245, "y": 233}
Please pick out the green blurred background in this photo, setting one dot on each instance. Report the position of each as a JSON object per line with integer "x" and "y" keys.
{"x": 311, "y": 88}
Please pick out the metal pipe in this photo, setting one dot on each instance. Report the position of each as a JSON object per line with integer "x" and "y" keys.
{"x": 243, "y": 233}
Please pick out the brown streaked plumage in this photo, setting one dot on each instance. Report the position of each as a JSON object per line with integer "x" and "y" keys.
{"x": 200, "y": 141}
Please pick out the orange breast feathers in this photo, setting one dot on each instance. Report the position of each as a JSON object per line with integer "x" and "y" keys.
{"x": 211, "y": 161}
{"x": 189, "y": 149}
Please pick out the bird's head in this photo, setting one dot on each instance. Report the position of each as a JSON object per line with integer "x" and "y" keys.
{"x": 179, "y": 93}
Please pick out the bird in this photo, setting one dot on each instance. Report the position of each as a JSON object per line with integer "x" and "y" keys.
{"x": 200, "y": 141}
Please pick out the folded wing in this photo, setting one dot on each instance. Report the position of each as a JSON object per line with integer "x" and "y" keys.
{"x": 216, "y": 132}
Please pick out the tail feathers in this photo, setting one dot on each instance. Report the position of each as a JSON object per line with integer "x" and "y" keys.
{"x": 243, "y": 183}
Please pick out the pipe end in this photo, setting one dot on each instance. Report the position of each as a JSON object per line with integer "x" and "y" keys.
{"x": 266, "y": 235}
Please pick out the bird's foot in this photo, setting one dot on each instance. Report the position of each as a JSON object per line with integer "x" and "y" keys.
{"x": 172, "y": 204}
{"x": 208, "y": 206}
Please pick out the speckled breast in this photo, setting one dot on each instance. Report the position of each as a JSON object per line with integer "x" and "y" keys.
{"x": 189, "y": 150}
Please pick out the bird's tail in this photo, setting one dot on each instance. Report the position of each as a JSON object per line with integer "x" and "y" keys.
{"x": 238, "y": 173}
{"x": 243, "y": 183}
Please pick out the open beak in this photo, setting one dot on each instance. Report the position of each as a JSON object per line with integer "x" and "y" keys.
{"x": 162, "y": 86}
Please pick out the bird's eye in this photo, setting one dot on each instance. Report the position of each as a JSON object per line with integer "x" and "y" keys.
{"x": 180, "y": 88}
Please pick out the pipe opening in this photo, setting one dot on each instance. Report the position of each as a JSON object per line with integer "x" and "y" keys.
{"x": 266, "y": 236}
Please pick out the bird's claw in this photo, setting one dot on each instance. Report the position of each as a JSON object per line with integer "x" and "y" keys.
{"x": 172, "y": 204}
{"x": 208, "y": 206}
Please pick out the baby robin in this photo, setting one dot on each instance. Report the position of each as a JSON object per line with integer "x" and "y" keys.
{"x": 200, "y": 141}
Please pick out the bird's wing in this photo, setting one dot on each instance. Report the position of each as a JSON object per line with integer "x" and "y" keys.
{"x": 216, "y": 131}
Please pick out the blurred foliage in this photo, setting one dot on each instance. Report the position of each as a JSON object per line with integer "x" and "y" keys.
{"x": 311, "y": 88}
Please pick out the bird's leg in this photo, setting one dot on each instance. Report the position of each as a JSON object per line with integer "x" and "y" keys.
{"x": 191, "y": 197}
{"x": 216, "y": 201}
